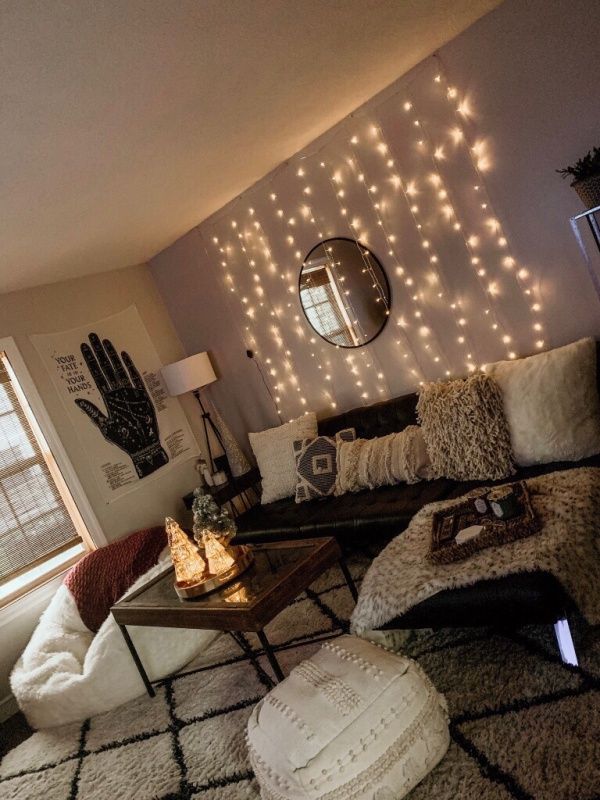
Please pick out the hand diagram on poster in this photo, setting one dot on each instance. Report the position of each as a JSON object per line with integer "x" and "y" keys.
{"x": 130, "y": 419}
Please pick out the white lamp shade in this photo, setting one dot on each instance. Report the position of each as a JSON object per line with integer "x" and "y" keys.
{"x": 188, "y": 374}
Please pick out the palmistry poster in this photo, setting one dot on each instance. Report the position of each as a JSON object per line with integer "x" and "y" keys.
{"x": 108, "y": 376}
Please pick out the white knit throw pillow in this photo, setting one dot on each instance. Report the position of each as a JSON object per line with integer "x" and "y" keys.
{"x": 274, "y": 452}
{"x": 551, "y": 403}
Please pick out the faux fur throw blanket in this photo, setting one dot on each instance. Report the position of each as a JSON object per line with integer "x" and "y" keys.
{"x": 103, "y": 576}
{"x": 568, "y": 547}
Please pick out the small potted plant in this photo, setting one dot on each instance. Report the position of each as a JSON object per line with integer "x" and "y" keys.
{"x": 585, "y": 175}
{"x": 209, "y": 517}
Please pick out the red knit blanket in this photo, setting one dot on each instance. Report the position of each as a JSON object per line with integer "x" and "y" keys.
{"x": 103, "y": 576}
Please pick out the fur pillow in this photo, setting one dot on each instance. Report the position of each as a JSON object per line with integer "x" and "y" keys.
{"x": 551, "y": 403}
{"x": 316, "y": 464}
{"x": 395, "y": 458}
{"x": 465, "y": 429}
{"x": 274, "y": 451}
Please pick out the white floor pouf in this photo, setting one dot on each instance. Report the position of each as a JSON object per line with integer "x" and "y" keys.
{"x": 354, "y": 722}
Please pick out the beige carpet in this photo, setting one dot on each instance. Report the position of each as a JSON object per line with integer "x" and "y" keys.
{"x": 523, "y": 725}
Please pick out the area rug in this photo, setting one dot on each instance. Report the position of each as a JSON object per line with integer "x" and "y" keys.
{"x": 523, "y": 725}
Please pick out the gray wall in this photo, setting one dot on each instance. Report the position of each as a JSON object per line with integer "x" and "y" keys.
{"x": 528, "y": 73}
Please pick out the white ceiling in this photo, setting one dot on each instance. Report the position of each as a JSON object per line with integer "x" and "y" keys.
{"x": 124, "y": 123}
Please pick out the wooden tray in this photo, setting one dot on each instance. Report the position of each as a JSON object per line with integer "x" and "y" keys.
{"x": 447, "y": 523}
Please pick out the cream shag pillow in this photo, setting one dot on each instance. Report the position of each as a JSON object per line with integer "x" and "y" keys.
{"x": 395, "y": 458}
{"x": 274, "y": 452}
{"x": 551, "y": 403}
{"x": 465, "y": 429}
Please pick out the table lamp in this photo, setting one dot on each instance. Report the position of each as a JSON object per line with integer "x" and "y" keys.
{"x": 190, "y": 375}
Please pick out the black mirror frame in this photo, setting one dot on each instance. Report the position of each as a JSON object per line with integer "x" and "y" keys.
{"x": 385, "y": 278}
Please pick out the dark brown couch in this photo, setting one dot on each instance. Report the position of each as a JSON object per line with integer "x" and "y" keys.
{"x": 371, "y": 514}
{"x": 382, "y": 513}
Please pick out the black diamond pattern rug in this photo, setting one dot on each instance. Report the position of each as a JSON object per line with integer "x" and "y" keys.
{"x": 524, "y": 726}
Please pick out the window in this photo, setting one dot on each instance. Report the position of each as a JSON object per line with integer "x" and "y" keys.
{"x": 42, "y": 530}
{"x": 322, "y": 302}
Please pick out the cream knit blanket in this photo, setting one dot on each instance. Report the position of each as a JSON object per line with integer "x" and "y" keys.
{"x": 568, "y": 547}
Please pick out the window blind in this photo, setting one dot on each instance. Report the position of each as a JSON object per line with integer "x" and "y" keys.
{"x": 34, "y": 521}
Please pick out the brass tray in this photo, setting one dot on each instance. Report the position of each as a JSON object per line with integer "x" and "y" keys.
{"x": 448, "y": 522}
{"x": 187, "y": 591}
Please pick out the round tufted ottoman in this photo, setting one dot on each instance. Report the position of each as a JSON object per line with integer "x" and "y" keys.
{"x": 354, "y": 722}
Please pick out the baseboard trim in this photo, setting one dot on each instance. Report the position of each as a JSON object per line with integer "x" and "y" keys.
{"x": 8, "y": 707}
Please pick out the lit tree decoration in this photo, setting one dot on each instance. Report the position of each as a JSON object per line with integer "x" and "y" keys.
{"x": 220, "y": 557}
{"x": 189, "y": 565}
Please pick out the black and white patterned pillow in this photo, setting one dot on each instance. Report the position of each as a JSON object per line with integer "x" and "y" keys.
{"x": 316, "y": 464}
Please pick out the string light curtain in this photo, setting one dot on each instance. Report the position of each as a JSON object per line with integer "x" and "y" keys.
{"x": 34, "y": 522}
{"x": 406, "y": 176}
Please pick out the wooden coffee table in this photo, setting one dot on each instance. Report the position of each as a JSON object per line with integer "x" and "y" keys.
{"x": 279, "y": 573}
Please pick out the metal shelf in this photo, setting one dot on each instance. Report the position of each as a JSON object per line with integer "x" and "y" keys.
{"x": 592, "y": 216}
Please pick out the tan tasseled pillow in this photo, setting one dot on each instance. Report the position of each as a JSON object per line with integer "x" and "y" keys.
{"x": 465, "y": 429}
{"x": 396, "y": 458}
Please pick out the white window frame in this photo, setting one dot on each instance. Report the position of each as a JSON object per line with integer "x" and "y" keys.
{"x": 64, "y": 476}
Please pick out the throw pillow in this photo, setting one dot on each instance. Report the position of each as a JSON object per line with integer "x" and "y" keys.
{"x": 316, "y": 464}
{"x": 274, "y": 452}
{"x": 395, "y": 458}
{"x": 551, "y": 403}
{"x": 465, "y": 429}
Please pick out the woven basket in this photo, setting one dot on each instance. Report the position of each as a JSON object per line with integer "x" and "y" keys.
{"x": 589, "y": 191}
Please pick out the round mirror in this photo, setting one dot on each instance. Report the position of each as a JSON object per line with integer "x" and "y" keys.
{"x": 344, "y": 292}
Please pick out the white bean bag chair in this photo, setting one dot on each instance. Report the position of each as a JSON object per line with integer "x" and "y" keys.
{"x": 68, "y": 673}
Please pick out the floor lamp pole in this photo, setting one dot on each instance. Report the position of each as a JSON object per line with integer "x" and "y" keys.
{"x": 206, "y": 418}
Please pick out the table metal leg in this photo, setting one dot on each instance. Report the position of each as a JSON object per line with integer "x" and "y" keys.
{"x": 270, "y": 655}
{"x": 138, "y": 663}
{"x": 349, "y": 581}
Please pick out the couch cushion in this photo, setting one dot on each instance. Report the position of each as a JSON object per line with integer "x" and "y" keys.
{"x": 370, "y": 514}
{"x": 378, "y": 419}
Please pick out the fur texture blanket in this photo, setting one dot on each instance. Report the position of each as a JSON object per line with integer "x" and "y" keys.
{"x": 568, "y": 547}
{"x": 68, "y": 673}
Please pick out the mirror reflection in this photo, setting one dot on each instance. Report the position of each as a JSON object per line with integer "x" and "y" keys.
{"x": 344, "y": 292}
